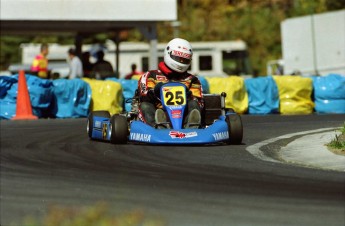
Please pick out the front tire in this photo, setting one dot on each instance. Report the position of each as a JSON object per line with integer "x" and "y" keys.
{"x": 235, "y": 128}
{"x": 119, "y": 129}
{"x": 89, "y": 126}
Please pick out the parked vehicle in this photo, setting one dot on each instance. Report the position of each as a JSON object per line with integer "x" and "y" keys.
{"x": 220, "y": 58}
{"x": 312, "y": 45}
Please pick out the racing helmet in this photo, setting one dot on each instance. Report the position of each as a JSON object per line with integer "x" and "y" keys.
{"x": 178, "y": 55}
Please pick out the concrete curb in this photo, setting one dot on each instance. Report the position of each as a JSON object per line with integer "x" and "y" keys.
{"x": 306, "y": 149}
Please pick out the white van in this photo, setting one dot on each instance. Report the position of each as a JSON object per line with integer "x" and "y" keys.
{"x": 222, "y": 58}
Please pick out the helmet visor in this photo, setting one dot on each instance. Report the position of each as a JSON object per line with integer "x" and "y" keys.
{"x": 180, "y": 59}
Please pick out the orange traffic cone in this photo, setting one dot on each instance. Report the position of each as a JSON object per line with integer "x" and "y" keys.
{"x": 24, "y": 109}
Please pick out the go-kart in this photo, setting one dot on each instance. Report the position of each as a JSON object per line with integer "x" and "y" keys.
{"x": 219, "y": 124}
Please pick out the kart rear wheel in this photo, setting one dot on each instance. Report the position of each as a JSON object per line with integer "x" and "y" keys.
{"x": 235, "y": 128}
{"x": 89, "y": 126}
{"x": 119, "y": 129}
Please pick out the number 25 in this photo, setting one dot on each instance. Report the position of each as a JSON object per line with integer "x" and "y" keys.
{"x": 178, "y": 97}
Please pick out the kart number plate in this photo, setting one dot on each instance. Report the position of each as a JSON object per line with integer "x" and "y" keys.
{"x": 174, "y": 95}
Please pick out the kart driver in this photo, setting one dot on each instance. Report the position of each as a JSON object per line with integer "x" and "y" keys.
{"x": 177, "y": 59}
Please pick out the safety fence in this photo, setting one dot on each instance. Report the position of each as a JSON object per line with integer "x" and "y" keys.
{"x": 74, "y": 98}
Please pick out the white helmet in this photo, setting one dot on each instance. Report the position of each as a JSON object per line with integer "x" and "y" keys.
{"x": 178, "y": 55}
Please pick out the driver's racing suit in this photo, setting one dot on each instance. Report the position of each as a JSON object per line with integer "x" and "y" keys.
{"x": 149, "y": 97}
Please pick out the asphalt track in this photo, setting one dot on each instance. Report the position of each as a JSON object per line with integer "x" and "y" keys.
{"x": 52, "y": 162}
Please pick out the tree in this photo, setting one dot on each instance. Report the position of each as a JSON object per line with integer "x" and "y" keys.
{"x": 257, "y": 22}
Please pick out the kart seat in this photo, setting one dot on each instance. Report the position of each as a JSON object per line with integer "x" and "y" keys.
{"x": 212, "y": 107}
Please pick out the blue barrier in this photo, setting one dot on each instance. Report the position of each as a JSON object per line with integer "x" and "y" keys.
{"x": 59, "y": 98}
{"x": 7, "y": 104}
{"x": 204, "y": 84}
{"x": 263, "y": 95}
{"x": 5, "y": 84}
{"x": 72, "y": 98}
{"x": 329, "y": 93}
{"x": 41, "y": 94}
{"x": 40, "y": 91}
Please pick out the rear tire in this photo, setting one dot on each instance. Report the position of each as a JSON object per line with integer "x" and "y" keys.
{"x": 119, "y": 129}
{"x": 235, "y": 128}
{"x": 89, "y": 126}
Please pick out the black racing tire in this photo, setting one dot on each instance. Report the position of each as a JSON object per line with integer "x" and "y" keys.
{"x": 119, "y": 129}
{"x": 89, "y": 126}
{"x": 235, "y": 128}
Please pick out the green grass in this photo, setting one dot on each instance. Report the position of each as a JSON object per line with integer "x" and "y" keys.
{"x": 96, "y": 215}
{"x": 339, "y": 141}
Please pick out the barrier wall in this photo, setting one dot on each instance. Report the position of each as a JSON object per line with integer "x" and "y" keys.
{"x": 7, "y": 101}
{"x": 295, "y": 94}
{"x": 106, "y": 95}
{"x": 71, "y": 98}
{"x": 265, "y": 95}
{"x": 236, "y": 95}
{"x": 329, "y": 94}
{"x": 40, "y": 93}
{"x": 128, "y": 90}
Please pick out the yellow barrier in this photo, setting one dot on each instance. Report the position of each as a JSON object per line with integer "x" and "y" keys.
{"x": 294, "y": 94}
{"x": 236, "y": 94}
{"x": 106, "y": 95}
{"x": 136, "y": 77}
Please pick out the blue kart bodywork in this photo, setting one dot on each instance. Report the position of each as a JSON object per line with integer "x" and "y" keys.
{"x": 225, "y": 127}
{"x": 143, "y": 133}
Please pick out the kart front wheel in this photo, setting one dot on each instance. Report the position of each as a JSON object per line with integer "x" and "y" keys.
{"x": 235, "y": 128}
{"x": 89, "y": 126}
{"x": 119, "y": 129}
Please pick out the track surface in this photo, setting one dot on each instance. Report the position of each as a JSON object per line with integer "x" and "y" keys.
{"x": 46, "y": 162}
